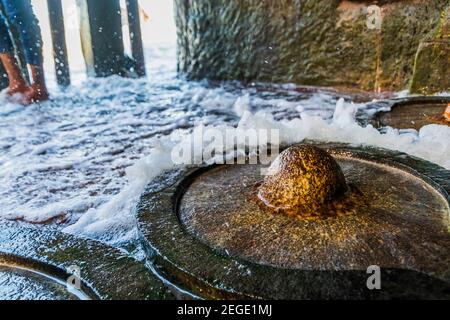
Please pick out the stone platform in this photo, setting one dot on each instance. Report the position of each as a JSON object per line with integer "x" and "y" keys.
{"x": 34, "y": 264}
{"x": 217, "y": 267}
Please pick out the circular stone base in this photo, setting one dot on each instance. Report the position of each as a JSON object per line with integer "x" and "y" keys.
{"x": 221, "y": 210}
{"x": 22, "y": 284}
{"x": 34, "y": 264}
{"x": 206, "y": 234}
{"x": 413, "y": 113}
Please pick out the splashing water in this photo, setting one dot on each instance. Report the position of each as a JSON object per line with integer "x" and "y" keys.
{"x": 80, "y": 161}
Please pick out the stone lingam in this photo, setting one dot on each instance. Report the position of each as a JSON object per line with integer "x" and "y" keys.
{"x": 312, "y": 227}
{"x": 304, "y": 182}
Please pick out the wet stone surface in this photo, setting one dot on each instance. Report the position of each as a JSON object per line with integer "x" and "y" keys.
{"x": 405, "y": 224}
{"x": 21, "y": 284}
{"x": 414, "y": 113}
{"x": 34, "y": 264}
{"x": 205, "y": 233}
{"x": 277, "y": 41}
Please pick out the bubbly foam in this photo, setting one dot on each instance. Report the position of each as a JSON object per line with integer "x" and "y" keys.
{"x": 82, "y": 160}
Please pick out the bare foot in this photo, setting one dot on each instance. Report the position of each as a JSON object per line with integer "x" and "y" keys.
{"x": 16, "y": 88}
{"x": 34, "y": 94}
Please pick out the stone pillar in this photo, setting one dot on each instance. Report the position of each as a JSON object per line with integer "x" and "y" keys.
{"x": 59, "y": 42}
{"x": 134, "y": 25}
{"x": 101, "y": 37}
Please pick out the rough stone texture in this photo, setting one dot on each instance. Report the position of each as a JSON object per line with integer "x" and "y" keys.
{"x": 193, "y": 265}
{"x": 219, "y": 210}
{"x": 301, "y": 181}
{"x": 412, "y": 112}
{"x": 313, "y": 42}
{"x": 105, "y": 272}
{"x": 432, "y": 65}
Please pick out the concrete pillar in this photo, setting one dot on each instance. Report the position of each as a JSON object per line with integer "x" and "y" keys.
{"x": 101, "y": 37}
{"x": 134, "y": 25}
{"x": 59, "y": 42}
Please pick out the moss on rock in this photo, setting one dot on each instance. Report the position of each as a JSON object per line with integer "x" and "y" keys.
{"x": 432, "y": 63}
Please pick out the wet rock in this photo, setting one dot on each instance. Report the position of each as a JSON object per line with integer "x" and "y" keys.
{"x": 204, "y": 234}
{"x": 304, "y": 41}
{"x": 432, "y": 64}
{"x": 36, "y": 263}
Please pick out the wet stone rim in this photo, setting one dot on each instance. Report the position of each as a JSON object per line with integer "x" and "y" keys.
{"x": 105, "y": 272}
{"x": 391, "y": 104}
{"x": 192, "y": 265}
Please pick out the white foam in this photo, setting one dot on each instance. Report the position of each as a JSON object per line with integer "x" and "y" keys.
{"x": 432, "y": 142}
{"x": 87, "y": 155}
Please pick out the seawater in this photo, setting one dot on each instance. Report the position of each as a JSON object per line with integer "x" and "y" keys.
{"x": 80, "y": 161}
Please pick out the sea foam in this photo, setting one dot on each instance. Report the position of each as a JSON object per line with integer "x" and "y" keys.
{"x": 115, "y": 221}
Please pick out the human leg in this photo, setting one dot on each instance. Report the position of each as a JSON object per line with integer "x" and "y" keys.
{"x": 17, "y": 83}
{"x": 21, "y": 17}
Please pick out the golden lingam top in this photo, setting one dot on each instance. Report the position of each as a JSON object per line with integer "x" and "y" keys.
{"x": 307, "y": 216}
{"x": 303, "y": 181}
